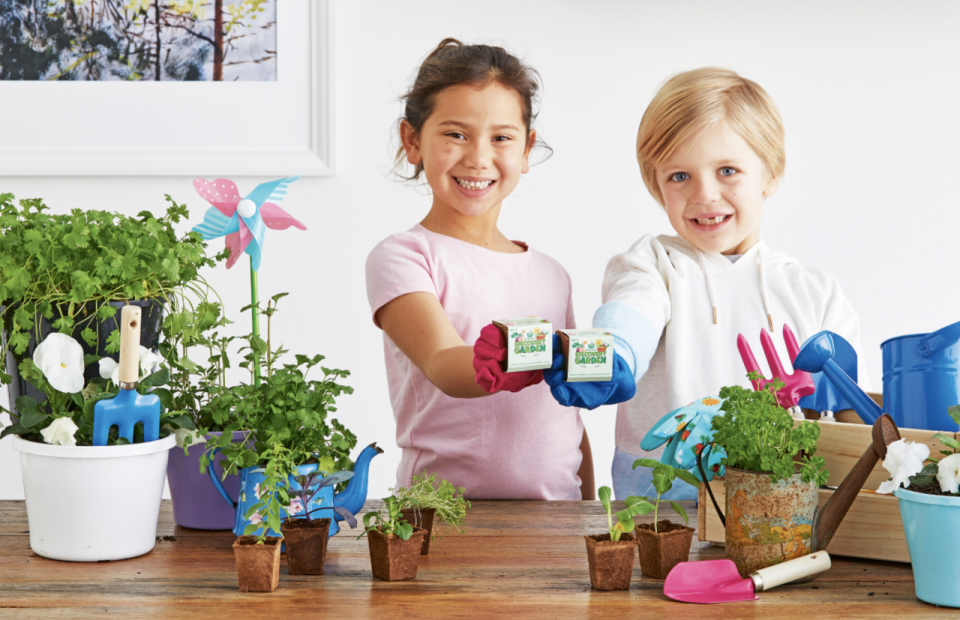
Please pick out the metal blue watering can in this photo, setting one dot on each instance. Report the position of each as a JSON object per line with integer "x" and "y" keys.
{"x": 921, "y": 377}
{"x": 351, "y": 498}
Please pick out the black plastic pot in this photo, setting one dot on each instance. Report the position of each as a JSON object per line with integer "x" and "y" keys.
{"x": 149, "y": 337}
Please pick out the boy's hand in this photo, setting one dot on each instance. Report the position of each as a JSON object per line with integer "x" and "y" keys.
{"x": 491, "y": 349}
{"x": 589, "y": 394}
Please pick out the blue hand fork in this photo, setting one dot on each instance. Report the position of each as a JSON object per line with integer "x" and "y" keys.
{"x": 128, "y": 407}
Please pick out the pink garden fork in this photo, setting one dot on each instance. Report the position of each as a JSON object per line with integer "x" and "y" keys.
{"x": 795, "y": 386}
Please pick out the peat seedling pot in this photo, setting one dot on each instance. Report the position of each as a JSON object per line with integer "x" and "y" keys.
{"x": 422, "y": 518}
{"x": 306, "y": 543}
{"x": 661, "y": 551}
{"x": 611, "y": 562}
{"x": 258, "y": 566}
{"x": 392, "y": 558}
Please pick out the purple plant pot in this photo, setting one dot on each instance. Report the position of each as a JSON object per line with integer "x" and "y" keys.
{"x": 196, "y": 503}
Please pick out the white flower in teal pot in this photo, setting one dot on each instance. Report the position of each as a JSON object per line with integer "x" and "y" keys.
{"x": 61, "y": 432}
{"x": 904, "y": 459}
{"x": 948, "y": 474}
{"x": 60, "y": 359}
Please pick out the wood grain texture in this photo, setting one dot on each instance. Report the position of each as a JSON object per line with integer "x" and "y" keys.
{"x": 515, "y": 559}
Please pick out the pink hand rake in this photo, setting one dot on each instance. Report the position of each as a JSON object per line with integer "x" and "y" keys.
{"x": 795, "y": 386}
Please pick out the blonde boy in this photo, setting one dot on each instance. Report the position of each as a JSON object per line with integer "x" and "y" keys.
{"x": 710, "y": 149}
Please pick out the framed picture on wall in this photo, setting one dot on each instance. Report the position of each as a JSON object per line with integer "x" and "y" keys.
{"x": 167, "y": 87}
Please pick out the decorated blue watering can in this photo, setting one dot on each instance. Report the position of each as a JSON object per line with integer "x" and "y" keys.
{"x": 351, "y": 498}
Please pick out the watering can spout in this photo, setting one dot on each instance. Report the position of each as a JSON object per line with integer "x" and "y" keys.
{"x": 827, "y": 520}
{"x": 355, "y": 494}
{"x": 816, "y": 355}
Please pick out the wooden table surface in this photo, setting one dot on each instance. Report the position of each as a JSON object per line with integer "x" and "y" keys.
{"x": 516, "y": 559}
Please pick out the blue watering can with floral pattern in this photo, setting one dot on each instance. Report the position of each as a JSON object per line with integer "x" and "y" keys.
{"x": 351, "y": 498}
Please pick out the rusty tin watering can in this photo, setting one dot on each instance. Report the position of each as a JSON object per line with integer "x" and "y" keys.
{"x": 768, "y": 523}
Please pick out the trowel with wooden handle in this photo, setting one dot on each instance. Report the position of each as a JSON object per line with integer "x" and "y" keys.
{"x": 128, "y": 407}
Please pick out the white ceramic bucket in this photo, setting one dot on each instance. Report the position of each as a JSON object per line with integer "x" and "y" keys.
{"x": 93, "y": 503}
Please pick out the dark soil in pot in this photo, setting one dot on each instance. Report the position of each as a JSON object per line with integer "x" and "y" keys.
{"x": 611, "y": 562}
{"x": 392, "y": 558}
{"x": 660, "y": 552}
{"x": 306, "y": 543}
{"x": 422, "y": 518}
{"x": 258, "y": 566}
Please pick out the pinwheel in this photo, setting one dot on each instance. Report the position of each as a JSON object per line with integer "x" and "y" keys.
{"x": 243, "y": 221}
{"x": 687, "y": 433}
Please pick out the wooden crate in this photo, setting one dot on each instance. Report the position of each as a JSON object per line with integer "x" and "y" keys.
{"x": 872, "y": 527}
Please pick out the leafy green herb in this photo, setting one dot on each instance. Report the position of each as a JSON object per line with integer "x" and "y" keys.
{"x": 758, "y": 435}
{"x": 633, "y": 506}
{"x": 425, "y": 491}
{"x": 663, "y": 477}
{"x": 388, "y": 521}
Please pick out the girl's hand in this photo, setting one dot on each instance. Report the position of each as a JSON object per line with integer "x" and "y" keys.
{"x": 491, "y": 349}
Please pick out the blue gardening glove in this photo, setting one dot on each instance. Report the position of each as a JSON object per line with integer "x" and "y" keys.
{"x": 687, "y": 431}
{"x": 589, "y": 394}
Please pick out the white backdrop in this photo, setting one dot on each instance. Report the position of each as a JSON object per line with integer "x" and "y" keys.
{"x": 868, "y": 91}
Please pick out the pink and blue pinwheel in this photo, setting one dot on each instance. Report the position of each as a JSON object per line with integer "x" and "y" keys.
{"x": 244, "y": 220}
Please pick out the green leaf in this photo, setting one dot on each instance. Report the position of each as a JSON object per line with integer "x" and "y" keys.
{"x": 677, "y": 508}
{"x": 687, "y": 477}
{"x": 161, "y": 377}
{"x": 645, "y": 463}
{"x": 90, "y": 337}
{"x": 954, "y": 413}
{"x": 604, "y": 493}
{"x": 31, "y": 417}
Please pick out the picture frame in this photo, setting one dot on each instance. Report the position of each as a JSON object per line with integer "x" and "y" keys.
{"x": 253, "y": 149}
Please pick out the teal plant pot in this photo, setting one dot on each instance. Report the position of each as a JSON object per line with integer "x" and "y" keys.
{"x": 928, "y": 521}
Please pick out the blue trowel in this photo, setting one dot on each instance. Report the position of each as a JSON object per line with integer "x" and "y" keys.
{"x": 128, "y": 407}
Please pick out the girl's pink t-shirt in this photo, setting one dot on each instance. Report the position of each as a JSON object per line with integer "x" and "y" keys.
{"x": 521, "y": 445}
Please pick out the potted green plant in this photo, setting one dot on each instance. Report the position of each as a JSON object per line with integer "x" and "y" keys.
{"x": 663, "y": 544}
{"x": 70, "y": 274}
{"x": 427, "y": 498}
{"x": 394, "y": 542}
{"x": 610, "y": 555}
{"x": 772, "y": 477}
{"x": 85, "y": 503}
{"x": 306, "y": 537}
{"x": 928, "y": 490}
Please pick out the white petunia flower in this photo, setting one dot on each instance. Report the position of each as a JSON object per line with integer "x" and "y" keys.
{"x": 61, "y": 432}
{"x": 60, "y": 358}
{"x": 904, "y": 459}
{"x": 948, "y": 474}
{"x": 110, "y": 370}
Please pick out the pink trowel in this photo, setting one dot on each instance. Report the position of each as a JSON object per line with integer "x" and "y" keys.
{"x": 717, "y": 581}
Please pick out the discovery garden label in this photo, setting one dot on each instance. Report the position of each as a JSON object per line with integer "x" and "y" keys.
{"x": 588, "y": 354}
{"x": 529, "y": 343}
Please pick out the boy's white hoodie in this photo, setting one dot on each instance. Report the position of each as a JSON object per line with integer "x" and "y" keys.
{"x": 676, "y": 313}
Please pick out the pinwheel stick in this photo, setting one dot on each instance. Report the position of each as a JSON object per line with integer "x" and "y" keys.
{"x": 255, "y": 314}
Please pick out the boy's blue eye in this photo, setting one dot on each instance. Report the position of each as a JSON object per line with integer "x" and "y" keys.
{"x": 727, "y": 171}
{"x": 679, "y": 176}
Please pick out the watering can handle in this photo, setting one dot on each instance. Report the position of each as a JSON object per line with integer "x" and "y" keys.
{"x": 933, "y": 341}
{"x": 216, "y": 481}
{"x": 703, "y": 477}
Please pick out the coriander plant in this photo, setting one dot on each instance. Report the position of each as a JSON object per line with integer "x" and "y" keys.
{"x": 425, "y": 491}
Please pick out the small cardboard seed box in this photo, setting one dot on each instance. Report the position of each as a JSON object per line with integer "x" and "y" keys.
{"x": 529, "y": 343}
{"x": 588, "y": 354}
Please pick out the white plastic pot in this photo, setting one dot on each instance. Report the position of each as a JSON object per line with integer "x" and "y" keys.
{"x": 93, "y": 503}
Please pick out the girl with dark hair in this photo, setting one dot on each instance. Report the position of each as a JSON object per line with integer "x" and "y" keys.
{"x": 467, "y": 130}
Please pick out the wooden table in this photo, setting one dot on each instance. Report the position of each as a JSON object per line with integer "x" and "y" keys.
{"x": 516, "y": 559}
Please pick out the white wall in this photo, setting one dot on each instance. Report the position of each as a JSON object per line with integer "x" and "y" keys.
{"x": 868, "y": 92}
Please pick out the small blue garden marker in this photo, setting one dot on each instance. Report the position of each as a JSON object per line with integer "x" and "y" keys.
{"x": 128, "y": 407}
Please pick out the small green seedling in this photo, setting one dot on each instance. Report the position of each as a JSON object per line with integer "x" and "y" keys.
{"x": 634, "y": 506}
{"x": 663, "y": 477}
{"x": 391, "y": 523}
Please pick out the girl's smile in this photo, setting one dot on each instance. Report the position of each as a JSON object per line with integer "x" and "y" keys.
{"x": 473, "y": 147}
